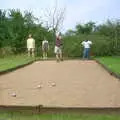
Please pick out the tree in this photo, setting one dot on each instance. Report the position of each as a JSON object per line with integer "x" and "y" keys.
{"x": 16, "y": 29}
{"x": 70, "y": 32}
{"x": 87, "y": 28}
{"x": 54, "y": 18}
{"x": 3, "y": 27}
{"x": 111, "y": 29}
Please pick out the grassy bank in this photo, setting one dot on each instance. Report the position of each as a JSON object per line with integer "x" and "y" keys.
{"x": 14, "y": 61}
{"x": 62, "y": 116}
{"x": 112, "y": 62}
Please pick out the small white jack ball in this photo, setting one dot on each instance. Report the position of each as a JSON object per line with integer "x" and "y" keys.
{"x": 13, "y": 95}
{"x": 39, "y": 86}
{"x": 53, "y": 84}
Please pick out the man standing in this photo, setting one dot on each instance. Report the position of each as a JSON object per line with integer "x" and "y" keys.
{"x": 58, "y": 48}
{"x": 31, "y": 46}
{"x": 86, "y": 44}
{"x": 45, "y": 48}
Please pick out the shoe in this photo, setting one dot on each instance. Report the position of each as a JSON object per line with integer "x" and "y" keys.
{"x": 57, "y": 60}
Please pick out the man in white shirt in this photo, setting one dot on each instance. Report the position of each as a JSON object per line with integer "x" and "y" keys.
{"x": 31, "y": 46}
{"x": 45, "y": 48}
{"x": 86, "y": 44}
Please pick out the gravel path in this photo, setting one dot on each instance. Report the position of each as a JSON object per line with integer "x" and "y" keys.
{"x": 71, "y": 83}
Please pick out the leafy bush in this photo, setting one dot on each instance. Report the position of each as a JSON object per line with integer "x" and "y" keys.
{"x": 73, "y": 48}
{"x": 6, "y": 51}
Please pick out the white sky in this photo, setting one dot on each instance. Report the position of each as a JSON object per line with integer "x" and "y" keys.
{"x": 77, "y": 11}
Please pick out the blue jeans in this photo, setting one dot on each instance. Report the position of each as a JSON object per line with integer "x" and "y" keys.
{"x": 86, "y": 53}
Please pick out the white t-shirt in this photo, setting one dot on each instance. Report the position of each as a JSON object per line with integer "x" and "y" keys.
{"x": 30, "y": 43}
{"x": 86, "y": 44}
{"x": 44, "y": 42}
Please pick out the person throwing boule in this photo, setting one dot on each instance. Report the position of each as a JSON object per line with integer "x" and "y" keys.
{"x": 58, "y": 48}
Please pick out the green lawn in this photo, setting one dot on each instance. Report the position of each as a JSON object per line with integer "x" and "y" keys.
{"x": 58, "y": 116}
{"x": 14, "y": 61}
{"x": 113, "y": 63}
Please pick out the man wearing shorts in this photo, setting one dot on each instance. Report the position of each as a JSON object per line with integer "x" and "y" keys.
{"x": 31, "y": 46}
{"x": 58, "y": 48}
{"x": 45, "y": 48}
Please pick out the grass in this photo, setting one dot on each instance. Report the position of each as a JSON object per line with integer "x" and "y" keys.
{"x": 57, "y": 116}
{"x": 13, "y": 61}
{"x": 112, "y": 62}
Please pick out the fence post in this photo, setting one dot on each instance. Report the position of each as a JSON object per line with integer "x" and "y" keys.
{"x": 39, "y": 107}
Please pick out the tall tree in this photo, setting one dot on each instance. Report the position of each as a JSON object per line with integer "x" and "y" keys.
{"x": 87, "y": 28}
{"x": 54, "y": 18}
{"x": 3, "y": 27}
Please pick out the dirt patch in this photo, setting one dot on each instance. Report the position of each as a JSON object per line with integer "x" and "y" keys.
{"x": 71, "y": 83}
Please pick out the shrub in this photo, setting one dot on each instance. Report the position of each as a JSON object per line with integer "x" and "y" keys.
{"x": 6, "y": 51}
{"x": 73, "y": 48}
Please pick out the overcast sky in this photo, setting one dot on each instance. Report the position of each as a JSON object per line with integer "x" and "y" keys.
{"x": 77, "y": 11}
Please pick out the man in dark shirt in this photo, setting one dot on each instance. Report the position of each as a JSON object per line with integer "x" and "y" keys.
{"x": 58, "y": 48}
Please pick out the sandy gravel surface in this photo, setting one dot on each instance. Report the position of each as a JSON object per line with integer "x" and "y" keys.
{"x": 71, "y": 83}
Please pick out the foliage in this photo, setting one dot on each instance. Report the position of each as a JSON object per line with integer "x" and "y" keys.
{"x": 86, "y": 28}
{"x": 105, "y": 38}
{"x": 15, "y": 27}
{"x": 73, "y": 47}
{"x": 59, "y": 116}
